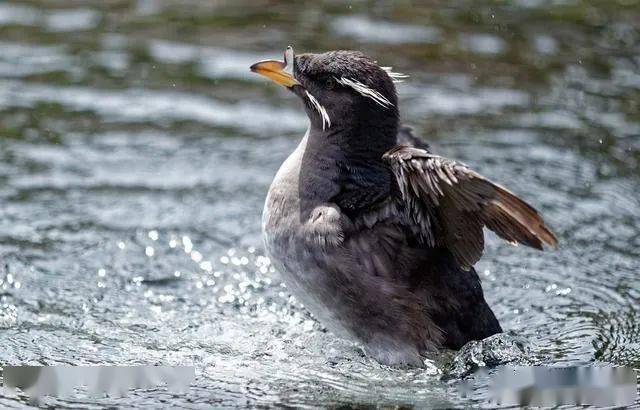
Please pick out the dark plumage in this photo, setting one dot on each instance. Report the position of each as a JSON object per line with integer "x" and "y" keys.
{"x": 376, "y": 235}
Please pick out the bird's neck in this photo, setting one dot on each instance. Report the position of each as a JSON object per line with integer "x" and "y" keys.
{"x": 358, "y": 141}
{"x": 345, "y": 167}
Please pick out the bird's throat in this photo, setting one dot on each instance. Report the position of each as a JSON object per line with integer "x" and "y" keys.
{"x": 355, "y": 140}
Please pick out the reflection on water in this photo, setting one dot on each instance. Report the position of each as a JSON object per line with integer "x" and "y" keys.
{"x": 136, "y": 149}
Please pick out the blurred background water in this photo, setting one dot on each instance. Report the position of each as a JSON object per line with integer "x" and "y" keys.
{"x": 136, "y": 149}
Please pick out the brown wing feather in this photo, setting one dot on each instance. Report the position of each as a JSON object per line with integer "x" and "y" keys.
{"x": 451, "y": 203}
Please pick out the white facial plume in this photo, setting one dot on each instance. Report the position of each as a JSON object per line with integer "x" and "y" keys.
{"x": 365, "y": 91}
{"x": 395, "y": 76}
{"x": 326, "y": 121}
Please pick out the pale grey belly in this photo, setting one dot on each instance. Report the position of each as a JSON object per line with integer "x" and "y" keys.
{"x": 305, "y": 279}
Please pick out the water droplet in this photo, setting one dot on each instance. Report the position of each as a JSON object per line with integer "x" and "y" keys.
{"x": 196, "y": 256}
{"x": 188, "y": 245}
{"x": 307, "y": 326}
{"x": 153, "y": 235}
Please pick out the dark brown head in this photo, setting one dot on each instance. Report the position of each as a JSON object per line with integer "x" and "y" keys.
{"x": 342, "y": 90}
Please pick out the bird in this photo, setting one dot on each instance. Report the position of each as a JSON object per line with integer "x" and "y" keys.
{"x": 372, "y": 232}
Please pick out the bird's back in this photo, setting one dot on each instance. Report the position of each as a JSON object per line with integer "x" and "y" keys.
{"x": 458, "y": 307}
{"x": 457, "y": 303}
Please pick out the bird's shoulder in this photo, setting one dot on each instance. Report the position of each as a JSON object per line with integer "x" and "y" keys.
{"x": 365, "y": 186}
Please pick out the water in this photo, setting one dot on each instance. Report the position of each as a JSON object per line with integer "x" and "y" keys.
{"x": 136, "y": 150}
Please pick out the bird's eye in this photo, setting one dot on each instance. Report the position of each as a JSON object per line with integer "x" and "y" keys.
{"x": 330, "y": 83}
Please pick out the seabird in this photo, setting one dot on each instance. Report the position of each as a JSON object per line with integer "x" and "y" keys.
{"x": 375, "y": 234}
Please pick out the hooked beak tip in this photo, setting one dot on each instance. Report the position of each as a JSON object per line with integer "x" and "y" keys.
{"x": 254, "y": 67}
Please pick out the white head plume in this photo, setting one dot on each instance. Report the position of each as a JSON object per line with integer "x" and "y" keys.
{"x": 365, "y": 91}
{"x": 395, "y": 76}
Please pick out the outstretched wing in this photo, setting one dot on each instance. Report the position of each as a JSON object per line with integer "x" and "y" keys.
{"x": 451, "y": 203}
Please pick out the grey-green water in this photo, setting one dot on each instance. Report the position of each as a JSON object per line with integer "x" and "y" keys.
{"x": 136, "y": 149}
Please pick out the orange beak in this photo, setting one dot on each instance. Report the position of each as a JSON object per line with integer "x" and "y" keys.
{"x": 280, "y": 72}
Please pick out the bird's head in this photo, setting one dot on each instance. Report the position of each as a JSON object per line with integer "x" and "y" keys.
{"x": 340, "y": 89}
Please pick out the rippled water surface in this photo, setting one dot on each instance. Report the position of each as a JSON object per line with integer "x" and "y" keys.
{"x": 136, "y": 150}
